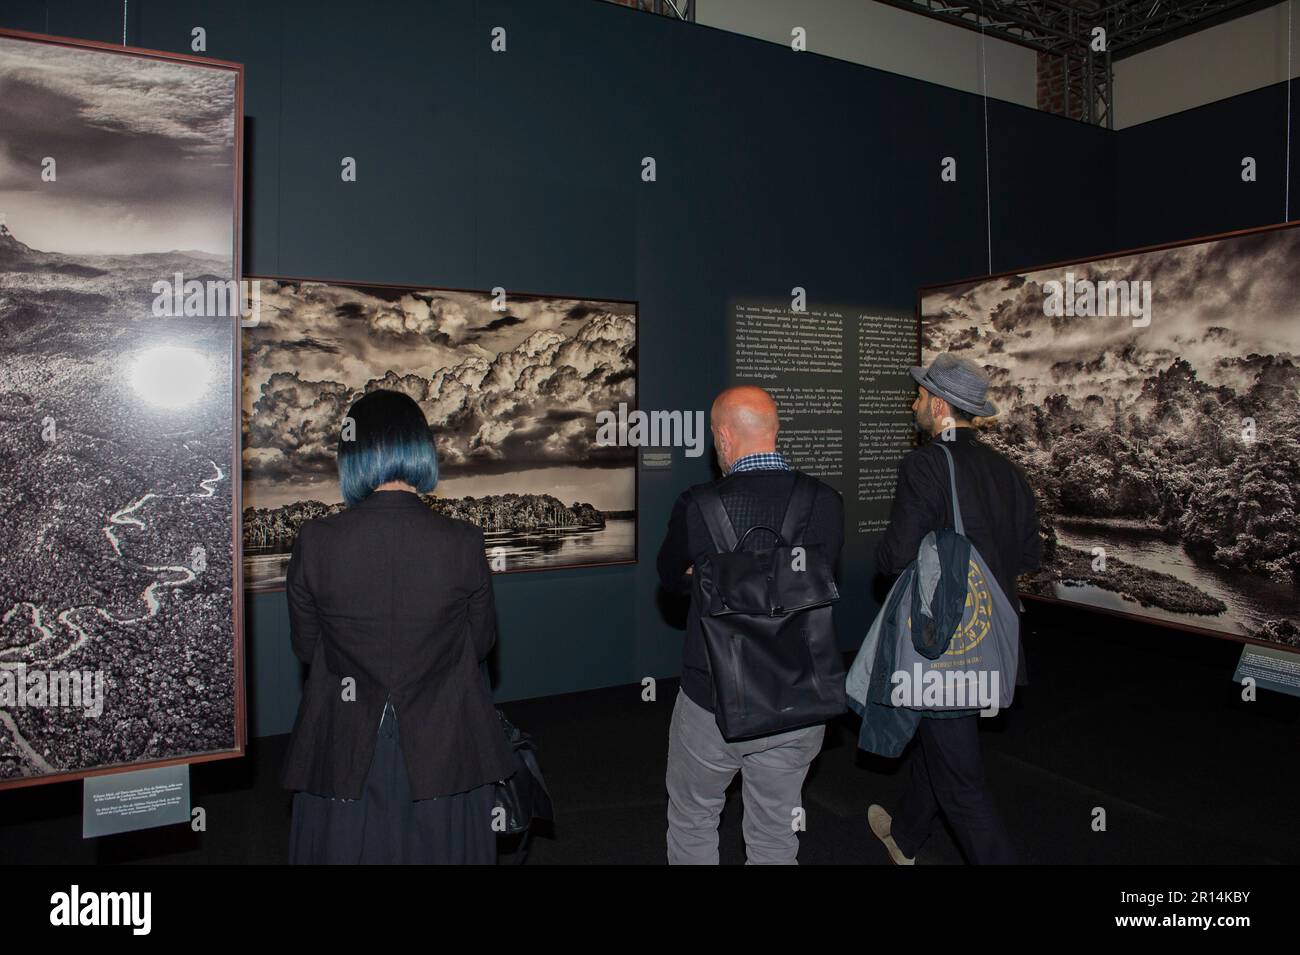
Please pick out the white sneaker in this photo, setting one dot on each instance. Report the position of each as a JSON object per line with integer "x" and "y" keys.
{"x": 880, "y": 822}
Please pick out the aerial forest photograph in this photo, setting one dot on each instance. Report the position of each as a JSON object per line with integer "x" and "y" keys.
{"x": 118, "y": 174}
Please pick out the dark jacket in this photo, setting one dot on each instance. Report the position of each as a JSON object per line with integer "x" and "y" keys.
{"x": 399, "y": 599}
{"x": 749, "y": 498}
{"x": 997, "y": 509}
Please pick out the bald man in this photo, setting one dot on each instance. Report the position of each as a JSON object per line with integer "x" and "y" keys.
{"x": 754, "y": 489}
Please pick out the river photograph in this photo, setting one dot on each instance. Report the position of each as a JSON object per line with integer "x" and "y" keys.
{"x": 1248, "y": 602}
{"x": 1162, "y": 443}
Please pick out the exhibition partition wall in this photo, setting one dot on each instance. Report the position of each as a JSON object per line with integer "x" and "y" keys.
{"x": 577, "y": 150}
{"x": 1221, "y": 167}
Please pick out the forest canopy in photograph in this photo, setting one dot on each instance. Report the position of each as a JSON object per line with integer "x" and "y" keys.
{"x": 1153, "y": 400}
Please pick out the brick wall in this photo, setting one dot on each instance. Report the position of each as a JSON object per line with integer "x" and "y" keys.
{"x": 1051, "y": 87}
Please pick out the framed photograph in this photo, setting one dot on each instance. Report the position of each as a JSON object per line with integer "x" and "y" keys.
{"x": 120, "y": 604}
{"x": 1151, "y": 397}
{"x": 512, "y": 385}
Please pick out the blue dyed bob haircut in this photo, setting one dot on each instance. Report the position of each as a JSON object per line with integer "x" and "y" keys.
{"x": 390, "y": 441}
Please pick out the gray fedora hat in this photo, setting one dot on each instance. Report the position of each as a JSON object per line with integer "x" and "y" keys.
{"x": 958, "y": 381}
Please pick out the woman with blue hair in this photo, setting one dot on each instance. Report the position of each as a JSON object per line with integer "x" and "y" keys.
{"x": 397, "y": 744}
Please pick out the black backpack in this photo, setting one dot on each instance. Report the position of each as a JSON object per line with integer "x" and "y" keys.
{"x": 523, "y": 797}
{"x": 767, "y": 621}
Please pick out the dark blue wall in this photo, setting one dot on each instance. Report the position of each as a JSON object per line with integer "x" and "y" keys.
{"x": 1179, "y": 177}
{"x": 522, "y": 169}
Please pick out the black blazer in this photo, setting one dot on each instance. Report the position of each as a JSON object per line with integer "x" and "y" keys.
{"x": 398, "y": 599}
{"x": 749, "y": 498}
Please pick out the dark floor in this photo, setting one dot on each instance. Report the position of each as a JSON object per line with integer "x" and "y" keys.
{"x": 1141, "y": 721}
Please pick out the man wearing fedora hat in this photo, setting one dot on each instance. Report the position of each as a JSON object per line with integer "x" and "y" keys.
{"x": 1001, "y": 520}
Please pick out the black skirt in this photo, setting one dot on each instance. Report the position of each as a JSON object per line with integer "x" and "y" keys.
{"x": 386, "y": 826}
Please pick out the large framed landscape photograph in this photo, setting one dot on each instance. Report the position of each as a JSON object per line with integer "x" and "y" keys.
{"x": 511, "y": 385}
{"x": 1153, "y": 399}
{"x": 120, "y": 617}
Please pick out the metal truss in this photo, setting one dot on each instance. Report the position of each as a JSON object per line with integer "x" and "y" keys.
{"x": 678, "y": 9}
{"x": 1065, "y": 28}
{"x": 1062, "y": 29}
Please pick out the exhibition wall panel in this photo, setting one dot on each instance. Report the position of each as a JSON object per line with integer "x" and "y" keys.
{"x": 524, "y": 169}
{"x": 1217, "y": 168}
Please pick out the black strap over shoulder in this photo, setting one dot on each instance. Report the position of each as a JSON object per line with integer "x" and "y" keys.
{"x": 799, "y": 511}
{"x": 715, "y": 517}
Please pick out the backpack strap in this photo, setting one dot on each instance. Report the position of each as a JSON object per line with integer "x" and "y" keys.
{"x": 799, "y": 511}
{"x": 715, "y": 517}
{"x": 952, "y": 481}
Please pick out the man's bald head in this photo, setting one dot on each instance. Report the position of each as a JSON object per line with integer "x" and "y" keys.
{"x": 744, "y": 421}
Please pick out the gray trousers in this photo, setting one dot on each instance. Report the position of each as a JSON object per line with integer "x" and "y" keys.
{"x": 701, "y": 765}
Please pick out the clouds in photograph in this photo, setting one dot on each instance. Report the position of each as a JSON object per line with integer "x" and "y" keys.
{"x": 1211, "y": 304}
{"x": 517, "y": 388}
{"x": 143, "y": 150}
